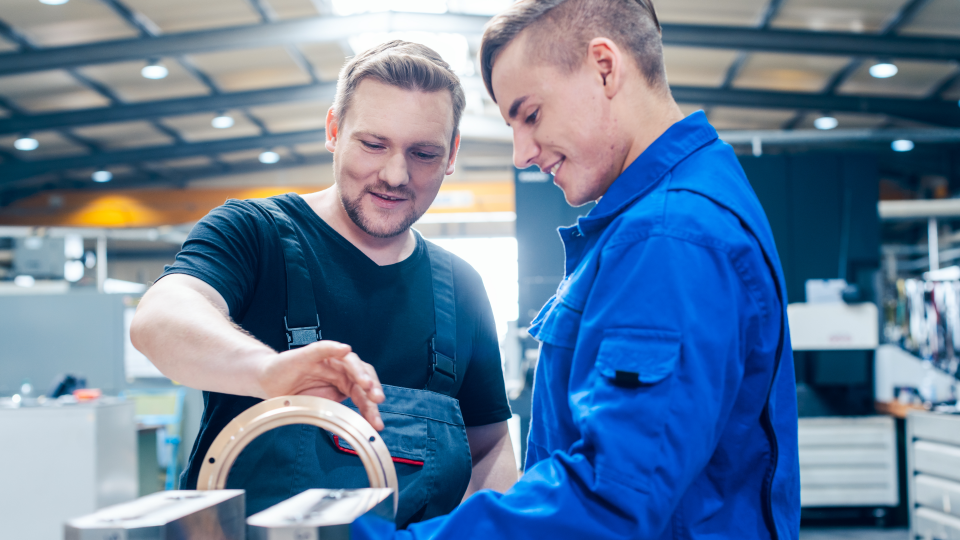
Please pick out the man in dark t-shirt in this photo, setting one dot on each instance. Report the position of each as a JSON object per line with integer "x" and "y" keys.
{"x": 215, "y": 318}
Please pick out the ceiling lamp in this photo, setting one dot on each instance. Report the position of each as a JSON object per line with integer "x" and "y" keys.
{"x": 102, "y": 176}
{"x": 26, "y": 144}
{"x": 154, "y": 70}
{"x": 903, "y": 145}
{"x": 269, "y": 157}
{"x": 825, "y": 122}
{"x": 222, "y": 121}
{"x": 883, "y": 70}
{"x": 54, "y": 2}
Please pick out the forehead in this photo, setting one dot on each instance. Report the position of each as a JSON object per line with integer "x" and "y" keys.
{"x": 516, "y": 72}
{"x": 399, "y": 113}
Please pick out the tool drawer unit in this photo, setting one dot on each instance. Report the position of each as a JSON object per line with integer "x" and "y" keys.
{"x": 848, "y": 461}
{"x": 933, "y": 473}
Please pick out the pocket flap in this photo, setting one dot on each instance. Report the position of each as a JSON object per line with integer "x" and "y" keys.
{"x": 638, "y": 356}
{"x": 404, "y": 435}
{"x": 558, "y": 326}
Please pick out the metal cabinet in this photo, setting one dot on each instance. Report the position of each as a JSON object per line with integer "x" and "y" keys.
{"x": 933, "y": 473}
{"x": 848, "y": 461}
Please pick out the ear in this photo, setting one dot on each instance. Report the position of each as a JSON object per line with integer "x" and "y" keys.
{"x": 332, "y": 129}
{"x": 453, "y": 154}
{"x": 606, "y": 59}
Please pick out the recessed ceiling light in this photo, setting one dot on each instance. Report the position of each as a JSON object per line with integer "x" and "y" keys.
{"x": 269, "y": 157}
{"x": 883, "y": 70}
{"x": 154, "y": 71}
{"x": 54, "y": 2}
{"x": 222, "y": 121}
{"x": 102, "y": 176}
{"x": 26, "y": 144}
{"x": 825, "y": 122}
{"x": 903, "y": 145}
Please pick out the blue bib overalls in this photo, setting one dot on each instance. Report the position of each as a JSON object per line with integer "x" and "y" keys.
{"x": 424, "y": 429}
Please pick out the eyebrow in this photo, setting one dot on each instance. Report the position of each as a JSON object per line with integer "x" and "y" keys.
{"x": 428, "y": 144}
{"x": 515, "y": 107}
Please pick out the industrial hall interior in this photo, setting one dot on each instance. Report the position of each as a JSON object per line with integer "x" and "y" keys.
{"x": 674, "y": 269}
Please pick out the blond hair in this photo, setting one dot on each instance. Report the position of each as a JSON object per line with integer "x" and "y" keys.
{"x": 403, "y": 64}
{"x": 560, "y": 31}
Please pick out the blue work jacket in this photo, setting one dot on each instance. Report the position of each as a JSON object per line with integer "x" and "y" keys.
{"x": 664, "y": 404}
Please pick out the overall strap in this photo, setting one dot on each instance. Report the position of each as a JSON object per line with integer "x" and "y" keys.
{"x": 302, "y": 322}
{"x": 446, "y": 369}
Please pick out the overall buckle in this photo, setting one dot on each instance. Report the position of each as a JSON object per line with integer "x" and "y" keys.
{"x": 442, "y": 363}
{"x": 305, "y": 335}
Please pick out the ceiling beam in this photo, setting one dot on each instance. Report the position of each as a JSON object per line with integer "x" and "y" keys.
{"x": 933, "y": 111}
{"x": 25, "y": 169}
{"x": 339, "y": 28}
{"x": 936, "y": 112}
{"x": 165, "y": 108}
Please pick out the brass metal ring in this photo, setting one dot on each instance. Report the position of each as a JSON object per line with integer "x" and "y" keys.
{"x": 287, "y": 410}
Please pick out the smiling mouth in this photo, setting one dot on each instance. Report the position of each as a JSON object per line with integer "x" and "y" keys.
{"x": 387, "y": 197}
{"x": 556, "y": 166}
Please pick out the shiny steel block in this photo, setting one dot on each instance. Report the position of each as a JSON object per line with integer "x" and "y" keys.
{"x": 326, "y": 514}
{"x": 167, "y": 515}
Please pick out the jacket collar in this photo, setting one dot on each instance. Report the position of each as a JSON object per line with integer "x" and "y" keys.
{"x": 677, "y": 143}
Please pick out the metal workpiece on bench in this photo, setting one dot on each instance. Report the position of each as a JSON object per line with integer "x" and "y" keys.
{"x": 287, "y": 410}
{"x": 210, "y": 515}
{"x": 325, "y": 514}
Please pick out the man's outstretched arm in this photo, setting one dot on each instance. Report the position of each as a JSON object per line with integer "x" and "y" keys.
{"x": 182, "y": 325}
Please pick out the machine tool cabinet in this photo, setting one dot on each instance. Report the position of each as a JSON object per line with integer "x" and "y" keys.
{"x": 848, "y": 462}
{"x": 933, "y": 473}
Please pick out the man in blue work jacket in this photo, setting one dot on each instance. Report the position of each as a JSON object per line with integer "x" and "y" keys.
{"x": 664, "y": 404}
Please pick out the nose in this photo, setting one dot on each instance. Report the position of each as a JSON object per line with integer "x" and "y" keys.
{"x": 394, "y": 171}
{"x": 525, "y": 149}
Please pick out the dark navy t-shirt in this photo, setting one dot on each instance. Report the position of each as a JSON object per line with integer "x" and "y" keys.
{"x": 385, "y": 313}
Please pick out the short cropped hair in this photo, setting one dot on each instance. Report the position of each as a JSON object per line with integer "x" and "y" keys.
{"x": 560, "y": 31}
{"x": 403, "y": 64}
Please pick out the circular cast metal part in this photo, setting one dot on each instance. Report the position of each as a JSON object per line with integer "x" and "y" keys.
{"x": 287, "y": 410}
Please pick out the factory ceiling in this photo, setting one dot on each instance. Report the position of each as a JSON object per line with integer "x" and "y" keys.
{"x": 167, "y": 92}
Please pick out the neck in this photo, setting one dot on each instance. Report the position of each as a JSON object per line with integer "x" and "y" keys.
{"x": 653, "y": 114}
{"x": 382, "y": 251}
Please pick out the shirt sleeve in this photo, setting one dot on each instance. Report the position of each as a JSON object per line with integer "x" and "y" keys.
{"x": 483, "y": 395}
{"x": 644, "y": 437}
{"x": 223, "y": 251}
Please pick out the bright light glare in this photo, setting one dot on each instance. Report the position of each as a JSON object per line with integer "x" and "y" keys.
{"x": 222, "y": 122}
{"x": 154, "y": 71}
{"x": 24, "y": 281}
{"x": 478, "y": 7}
{"x": 883, "y": 70}
{"x": 73, "y": 271}
{"x": 902, "y": 145}
{"x": 16, "y": 398}
{"x": 269, "y": 157}
{"x": 26, "y": 144}
{"x": 102, "y": 176}
{"x": 352, "y": 7}
{"x": 825, "y": 122}
{"x": 452, "y": 48}
{"x": 54, "y": 2}
{"x": 495, "y": 259}
{"x": 73, "y": 246}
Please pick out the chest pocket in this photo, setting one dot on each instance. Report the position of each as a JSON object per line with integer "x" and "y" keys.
{"x": 635, "y": 356}
{"x": 557, "y": 324}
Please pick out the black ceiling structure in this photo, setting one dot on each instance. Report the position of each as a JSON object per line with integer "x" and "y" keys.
{"x": 17, "y": 172}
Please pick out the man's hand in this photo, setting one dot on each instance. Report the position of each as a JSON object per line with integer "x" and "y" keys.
{"x": 325, "y": 369}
